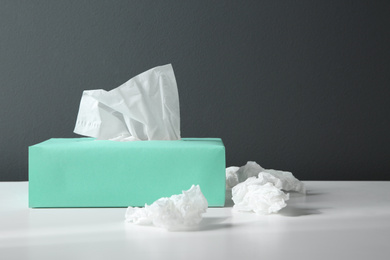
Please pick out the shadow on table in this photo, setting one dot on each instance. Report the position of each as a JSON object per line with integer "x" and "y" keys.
{"x": 313, "y": 193}
{"x": 297, "y": 212}
{"x": 303, "y": 200}
{"x": 213, "y": 223}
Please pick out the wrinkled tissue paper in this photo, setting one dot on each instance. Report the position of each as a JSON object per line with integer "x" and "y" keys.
{"x": 144, "y": 108}
{"x": 260, "y": 190}
{"x": 281, "y": 179}
{"x": 179, "y": 212}
{"x": 252, "y": 195}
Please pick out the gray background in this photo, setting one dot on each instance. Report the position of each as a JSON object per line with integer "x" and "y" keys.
{"x": 300, "y": 86}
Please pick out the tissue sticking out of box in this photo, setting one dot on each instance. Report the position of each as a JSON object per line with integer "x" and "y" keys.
{"x": 144, "y": 108}
{"x": 179, "y": 212}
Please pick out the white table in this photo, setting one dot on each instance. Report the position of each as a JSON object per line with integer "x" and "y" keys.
{"x": 335, "y": 220}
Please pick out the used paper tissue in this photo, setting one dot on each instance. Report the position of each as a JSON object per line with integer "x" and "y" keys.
{"x": 259, "y": 197}
{"x": 286, "y": 180}
{"x": 260, "y": 190}
{"x": 144, "y": 108}
{"x": 102, "y": 172}
{"x": 179, "y": 212}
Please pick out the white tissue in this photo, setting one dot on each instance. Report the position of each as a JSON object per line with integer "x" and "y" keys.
{"x": 250, "y": 169}
{"x": 179, "y": 212}
{"x": 289, "y": 182}
{"x": 266, "y": 177}
{"x": 144, "y": 108}
{"x": 231, "y": 177}
{"x": 260, "y": 190}
{"x": 254, "y": 195}
{"x": 281, "y": 179}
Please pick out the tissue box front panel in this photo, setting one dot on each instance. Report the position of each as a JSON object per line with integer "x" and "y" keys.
{"x": 83, "y": 172}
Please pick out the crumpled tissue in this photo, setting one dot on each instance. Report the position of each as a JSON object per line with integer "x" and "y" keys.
{"x": 231, "y": 177}
{"x": 250, "y": 169}
{"x": 285, "y": 179}
{"x": 179, "y": 212}
{"x": 260, "y": 190}
{"x": 144, "y": 108}
{"x": 259, "y": 197}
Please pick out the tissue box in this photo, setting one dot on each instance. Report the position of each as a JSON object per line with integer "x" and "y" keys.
{"x": 84, "y": 172}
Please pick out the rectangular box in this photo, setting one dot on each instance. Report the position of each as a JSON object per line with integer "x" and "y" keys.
{"x": 83, "y": 172}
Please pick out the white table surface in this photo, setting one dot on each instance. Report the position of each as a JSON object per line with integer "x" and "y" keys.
{"x": 335, "y": 220}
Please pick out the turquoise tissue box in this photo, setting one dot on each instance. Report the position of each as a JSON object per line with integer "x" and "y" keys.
{"x": 84, "y": 172}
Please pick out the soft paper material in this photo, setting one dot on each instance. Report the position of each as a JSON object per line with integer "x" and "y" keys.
{"x": 231, "y": 177}
{"x": 257, "y": 196}
{"x": 83, "y": 172}
{"x": 179, "y": 212}
{"x": 250, "y": 169}
{"x": 281, "y": 179}
{"x": 265, "y": 177}
{"x": 287, "y": 179}
{"x": 144, "y": 108}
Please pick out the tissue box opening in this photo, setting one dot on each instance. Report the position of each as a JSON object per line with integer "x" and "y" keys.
{"x": 83, "y": 172}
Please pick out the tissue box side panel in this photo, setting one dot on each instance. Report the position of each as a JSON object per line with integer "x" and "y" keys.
{"x": 86, "y": 173}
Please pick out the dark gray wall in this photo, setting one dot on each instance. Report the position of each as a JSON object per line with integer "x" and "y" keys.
{"x": 301, "y": 86}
